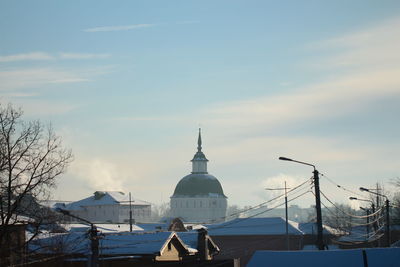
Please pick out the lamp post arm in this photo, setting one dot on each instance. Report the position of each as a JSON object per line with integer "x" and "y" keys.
{"x": 305, "y": 163}
{"x": 301, "y": 162}
{"x": 372, "y": 192}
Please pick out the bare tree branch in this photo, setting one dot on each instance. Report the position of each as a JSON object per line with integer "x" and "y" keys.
{"x": 31, "y": 158}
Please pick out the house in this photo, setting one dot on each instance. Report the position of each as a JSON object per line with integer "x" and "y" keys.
{"x": 139, "y": 249}
{"x": 144, "y": 247}
{"x": 108, "y": 207}
{"x": 241, "y": 237}
{"x": 202, "y": 242}
{"x": 12, "y": 243}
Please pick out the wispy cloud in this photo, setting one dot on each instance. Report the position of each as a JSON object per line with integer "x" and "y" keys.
{"x": 27, "y": 56}
{"x": 33, "y": 77}
{"x": 118, "y": 28}
{"x": 373, "y": 79}
{"x": 147, "y": 118}
{"x": 42, "y": 56}
{"x": 366, "y": 49}
{"x": 83, "y": 56}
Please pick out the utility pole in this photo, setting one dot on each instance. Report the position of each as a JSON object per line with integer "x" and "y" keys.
{"x": 320, "y": 241}
{"x": 94, "y": 261}
{"x": 287, "y": 220}
{"x": 130, "y": 212}
{"x": 387, "y": 204}
{"x": 286, "y": 213}
{"x": 367, "y": 211}
{"x": 387, "y": 223}
{"x": 94, "y": 240}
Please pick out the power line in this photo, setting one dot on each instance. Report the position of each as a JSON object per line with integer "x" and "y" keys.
{"x": 348, "y": 214}
{"x": 341, "y": 187}
{"x": 254, "y": 215}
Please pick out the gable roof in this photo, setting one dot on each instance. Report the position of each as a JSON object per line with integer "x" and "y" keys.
{"x": 136, "y": 243}
{"x": 191, "y": 239}
{"x": 124, "y": 243}
{"x": 254, "y": 226}
{"x": 103, "y": 198}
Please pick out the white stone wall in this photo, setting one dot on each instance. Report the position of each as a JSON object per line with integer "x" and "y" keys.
{"x": 114, "y": 213}
{"x": 199, "y": 209}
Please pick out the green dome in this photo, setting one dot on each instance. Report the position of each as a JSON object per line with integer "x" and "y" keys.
{"x": 198, "y": 184}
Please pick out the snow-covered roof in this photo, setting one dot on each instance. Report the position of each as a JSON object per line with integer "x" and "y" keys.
{"x": 377, "y": 257}
{"x": 191, "y": 239}
{"x": 104, "y": 228}
{"x": 124, "y": 243}
{"x": 152, "y": 227}
{"x": 68, "y": 243}
{"x": 134, "y": 243}
{"x": 360, "y": 234}
{"x": 254, "y": 226}
{"x": 102, "y": 198}
{"x": 311, "y": 229}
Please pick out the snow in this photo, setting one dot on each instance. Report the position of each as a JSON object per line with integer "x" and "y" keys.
{"x": 104, "y": 228}
{"x": 128, "y": 243}
{"x": 109, "y": 198}
{"x": 359, "y": 234}
{"x": 123, "y": 243}
{"x": 152, "y": 227}
{"x": 311, "y": 229}
{"x": 69, "y": 243}
{"x": 189, "y": 238}
{"x": 254, "y": 226}
{"x": 380, "y": 257}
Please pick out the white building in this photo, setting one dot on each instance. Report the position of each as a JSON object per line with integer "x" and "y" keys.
{"x": 109, "y": 207}
{"x": 198, "y": 197}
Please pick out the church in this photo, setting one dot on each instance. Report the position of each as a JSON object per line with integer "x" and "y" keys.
{"x": 199, "y": 197}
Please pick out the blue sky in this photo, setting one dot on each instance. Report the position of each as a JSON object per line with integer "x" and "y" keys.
{"x": 127, "y": 84}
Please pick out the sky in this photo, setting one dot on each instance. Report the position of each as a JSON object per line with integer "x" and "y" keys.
{"x": 127, "y": 84}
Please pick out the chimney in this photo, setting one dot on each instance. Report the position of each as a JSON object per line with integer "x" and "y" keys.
{"x": 202, "y": 244}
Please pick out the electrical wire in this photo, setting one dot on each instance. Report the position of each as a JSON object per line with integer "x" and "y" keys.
{"x": 261, "y": 204}
{"x": 340, "y": 186}
{"x": 348, "y": 214}
{"x": 254, "y": 215}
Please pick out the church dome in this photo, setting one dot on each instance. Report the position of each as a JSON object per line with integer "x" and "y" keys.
{"x": 198, "y": 184}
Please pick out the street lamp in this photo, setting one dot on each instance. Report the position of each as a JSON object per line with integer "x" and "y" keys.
{"x": 366, "y": 200}
{"x": 286, "y": 213}
{"x": 372, "y": 209}
{"x": 387, "y": 212}
{"x": 320, "y": 241}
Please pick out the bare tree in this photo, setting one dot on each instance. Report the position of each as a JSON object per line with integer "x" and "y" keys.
{"x": 31, "y": 158}
{"x": 396, "y": 202}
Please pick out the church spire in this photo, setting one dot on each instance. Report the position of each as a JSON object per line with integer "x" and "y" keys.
{"x": 199, "y": 141}
{"x": 199, "y": 161}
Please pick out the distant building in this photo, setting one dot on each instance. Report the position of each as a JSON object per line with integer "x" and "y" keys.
{"x": 198, "y": 197}
{"x": 241, "y": 237}
{"x": 108, "y": 206}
